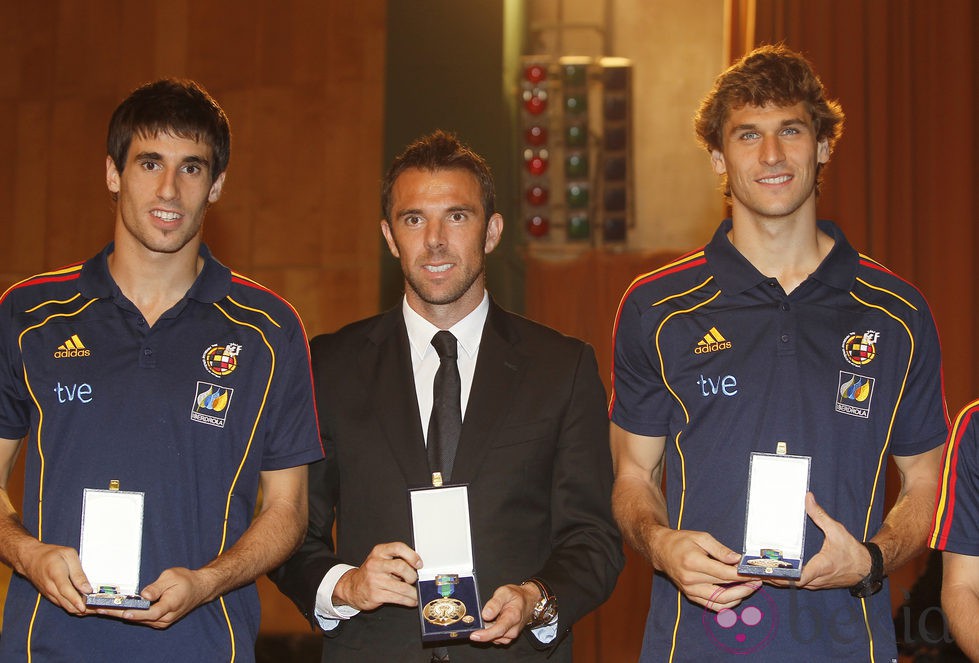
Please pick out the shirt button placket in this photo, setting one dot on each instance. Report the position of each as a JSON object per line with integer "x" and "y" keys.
{"x": 146, "y": 357}
{"x": 786, "y": 328}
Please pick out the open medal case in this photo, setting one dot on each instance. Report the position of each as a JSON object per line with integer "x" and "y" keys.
{"x": 448, "y": 597}
{"x": 775, "y": 521}
{"x": 110, "y": 547}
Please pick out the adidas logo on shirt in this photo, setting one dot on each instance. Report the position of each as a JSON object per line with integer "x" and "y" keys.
{"x": 713, "y": 341}
{"x": 73, "y": 347}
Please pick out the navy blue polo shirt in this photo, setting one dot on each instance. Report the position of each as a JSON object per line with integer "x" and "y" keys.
{"x": 956, "y": 526}
{"x": 188, "y": 411}
{"x": 713, "y": 355}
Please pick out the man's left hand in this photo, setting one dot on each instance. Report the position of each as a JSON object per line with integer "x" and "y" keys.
{"x": 506, "y": 613}
{"x": 175, "y": 593}
{"x": 842, "y": 561}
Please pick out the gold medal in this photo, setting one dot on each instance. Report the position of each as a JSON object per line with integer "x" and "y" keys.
{"x": 444, "y": 611}
{"x": 770, "y": 563}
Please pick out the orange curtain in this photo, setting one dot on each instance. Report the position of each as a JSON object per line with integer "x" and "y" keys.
{"x": 740, "y": 19}
{"x": 903, "y": 180}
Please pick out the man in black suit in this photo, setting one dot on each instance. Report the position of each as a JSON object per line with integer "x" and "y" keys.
{"x": 533, "y": 447}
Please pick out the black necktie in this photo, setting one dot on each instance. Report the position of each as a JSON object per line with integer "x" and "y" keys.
{"x": 445, "y": 425}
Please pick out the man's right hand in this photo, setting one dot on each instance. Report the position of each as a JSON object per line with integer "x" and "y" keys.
{"x": 703, "y": 568}
{"x": 56, "y": 572}
{"x": 388, "y": 575}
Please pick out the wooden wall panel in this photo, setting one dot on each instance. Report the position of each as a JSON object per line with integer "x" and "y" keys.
{"x": 8, "y": 145}
{"x": 302, "y": 83}
{"x": 30, "y": 188}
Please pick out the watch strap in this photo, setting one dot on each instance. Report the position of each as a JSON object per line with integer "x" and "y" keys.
{"x": 871, "y": 583}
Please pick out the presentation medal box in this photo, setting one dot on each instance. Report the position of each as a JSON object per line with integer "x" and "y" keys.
{"x": 111, "y": 543}
{"x": 775, "y": 522}
{"x": 448, "y": 598}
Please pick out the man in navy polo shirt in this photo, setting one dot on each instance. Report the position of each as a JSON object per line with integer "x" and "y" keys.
{"x": 154, "y": 366}
{"x": 776, "y": 331}
{"x": 956, "y": 530}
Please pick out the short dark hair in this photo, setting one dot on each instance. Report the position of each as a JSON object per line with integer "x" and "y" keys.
{"x": 768, "y": 75}
{"x": 440, "y": 150}
{"x": 173, "y": 106}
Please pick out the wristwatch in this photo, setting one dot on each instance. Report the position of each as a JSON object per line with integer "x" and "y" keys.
{"x": 545, "y": 610}
{"x": 873, "y": 581}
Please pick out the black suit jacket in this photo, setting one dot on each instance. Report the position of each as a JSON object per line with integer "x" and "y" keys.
{"x": 534, "y": 451}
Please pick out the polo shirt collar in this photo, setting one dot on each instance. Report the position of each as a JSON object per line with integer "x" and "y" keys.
{"x": 839, "y": 268}
{"x": 211, "y": 285}
{"x": 734, "y": 274}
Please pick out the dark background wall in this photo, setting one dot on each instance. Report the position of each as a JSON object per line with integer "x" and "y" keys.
{"x": 445, "y": 70}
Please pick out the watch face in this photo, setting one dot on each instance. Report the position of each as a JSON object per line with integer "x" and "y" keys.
{"x": 544, "y": 612}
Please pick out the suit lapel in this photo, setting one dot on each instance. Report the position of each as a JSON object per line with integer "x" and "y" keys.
{"x": 386, "y": 363}
{"x": 498, "y": 369}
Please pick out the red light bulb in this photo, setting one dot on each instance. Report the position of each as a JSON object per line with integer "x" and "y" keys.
{"x": 536, "y": 135}
{"x": 536, "y": 104}
{"x": 536, "y": 166}
{"x": 535, "y": 73}
{"x": 538, "y": 226}
{"x": 537, "y": 195}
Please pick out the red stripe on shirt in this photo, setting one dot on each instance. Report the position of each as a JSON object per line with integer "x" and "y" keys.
{"x": 961, "y": 425}
{"x": 48, "y": 277}
{"x": 688, "y": 261}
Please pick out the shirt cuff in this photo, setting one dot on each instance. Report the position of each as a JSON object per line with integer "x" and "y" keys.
{"x": 547, "y": 632}
{"x": 327, "y": 614}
